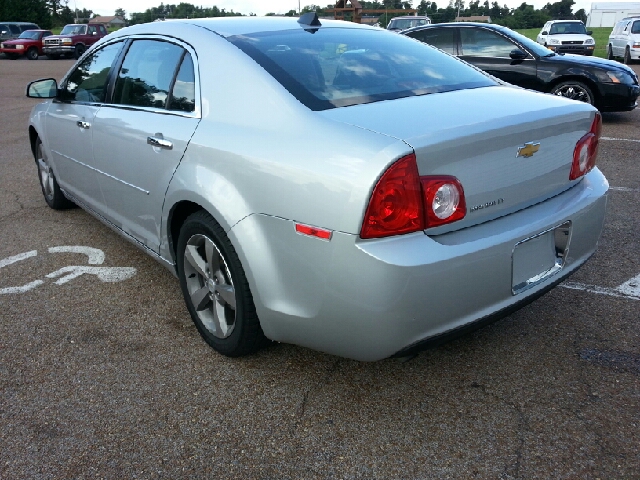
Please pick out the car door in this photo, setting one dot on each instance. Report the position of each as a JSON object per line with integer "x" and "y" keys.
{"x": 142, "y": 135}
{"x": 69, "y": 122}
{"x": 490, "y": 51}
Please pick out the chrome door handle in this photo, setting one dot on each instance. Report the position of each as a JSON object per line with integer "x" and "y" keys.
{"x": 82, "y": 124}
{"x": 159, "y": 142}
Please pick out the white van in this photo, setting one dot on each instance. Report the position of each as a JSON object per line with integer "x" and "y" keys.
{"x": 624, "y": 41}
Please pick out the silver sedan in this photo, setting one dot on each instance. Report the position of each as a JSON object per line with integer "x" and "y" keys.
{"x": 322, "y": 183}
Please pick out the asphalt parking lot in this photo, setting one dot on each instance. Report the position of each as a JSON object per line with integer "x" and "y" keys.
{"x": 103, "y": 375}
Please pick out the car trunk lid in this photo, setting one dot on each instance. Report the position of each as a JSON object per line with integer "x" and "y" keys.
{"x": 510, "y": 148}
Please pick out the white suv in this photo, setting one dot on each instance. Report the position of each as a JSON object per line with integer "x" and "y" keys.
{"x": 567, "y": 36}
{"x": 624, "y": 41}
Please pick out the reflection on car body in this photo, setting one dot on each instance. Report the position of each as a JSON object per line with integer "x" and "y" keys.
{"x": 321, "y": 184}
{"x": 516, "y": 59}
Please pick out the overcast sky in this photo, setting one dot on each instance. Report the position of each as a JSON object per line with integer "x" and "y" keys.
{"x": 261, "y": 7}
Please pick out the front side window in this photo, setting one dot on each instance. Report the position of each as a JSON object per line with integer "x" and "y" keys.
{"x": 442, "y": 38}
{"x": 88, "y": 82}
{"x": 636, "y": 27}
{"x": 479, "y": 42}
{"x": 336, "y": 67}
{"x": 147, "y": 74}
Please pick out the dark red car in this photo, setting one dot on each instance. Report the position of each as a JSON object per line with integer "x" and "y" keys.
{"x": 29, "y": 43}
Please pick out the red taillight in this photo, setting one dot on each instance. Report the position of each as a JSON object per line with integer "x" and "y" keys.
{"x": 586, "y": 151}
{"x": 396, "y": 205}
{"x": 403, "y": 202}
{"x": 444, "y": 200}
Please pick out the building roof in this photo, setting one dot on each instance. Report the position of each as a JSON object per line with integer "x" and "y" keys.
{"x": 106, "y": 19}
{"x": 474, "y": 18}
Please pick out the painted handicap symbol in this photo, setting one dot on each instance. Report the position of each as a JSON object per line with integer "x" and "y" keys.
{"x": 95, "y": 256}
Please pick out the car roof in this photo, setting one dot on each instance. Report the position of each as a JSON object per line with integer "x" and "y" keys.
{"x": 230, "y": 26}
{"x": 491, "y": 26}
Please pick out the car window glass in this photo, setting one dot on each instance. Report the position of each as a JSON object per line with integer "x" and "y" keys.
{"x": 87, "y": 83}
{"x": 339, "y": 67}
{"x": 479, "y": 42}
{"x": 147, "y": 73}
{"x": 441, "y": 38}
{"x": 636, "y": 27}
{"x": 14, "y": 29}
{"x": 92, "y": 29}
{"x": 183, "y": 95}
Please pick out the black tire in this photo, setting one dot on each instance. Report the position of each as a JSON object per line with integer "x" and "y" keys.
{"x": 627, "y": 56}
{"x": 32, "y": 53}
{"x": 609, "y": 52}
{"x": 50, "y": 188}
{"x": 212, "y": 280}
{"x": 574, "y": 90}
{"x": 77, "y": 53}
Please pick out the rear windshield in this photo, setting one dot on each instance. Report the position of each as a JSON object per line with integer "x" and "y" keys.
{"x": 404, "y": 23}
{"x": 338, "y": 67}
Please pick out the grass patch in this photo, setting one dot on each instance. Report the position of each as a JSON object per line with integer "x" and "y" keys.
{"x": 600, "y": 35}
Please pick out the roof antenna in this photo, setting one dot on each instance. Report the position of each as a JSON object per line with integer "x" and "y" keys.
{"x": 310, "y": 19}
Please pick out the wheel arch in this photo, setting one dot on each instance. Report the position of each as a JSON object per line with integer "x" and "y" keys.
{"x": 33, "y": 136}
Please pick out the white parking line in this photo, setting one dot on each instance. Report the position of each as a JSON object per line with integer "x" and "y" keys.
{"x": 620, "y": 139}
{"x": 629, "y": 289}
{"x": 624, "y": 189}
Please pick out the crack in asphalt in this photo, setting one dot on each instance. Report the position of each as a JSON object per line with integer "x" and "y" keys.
{"x": 324, "y": 381}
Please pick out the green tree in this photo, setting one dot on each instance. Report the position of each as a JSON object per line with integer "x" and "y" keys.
{"x": 120, "y": 13}
{"x": 35, "y": 11}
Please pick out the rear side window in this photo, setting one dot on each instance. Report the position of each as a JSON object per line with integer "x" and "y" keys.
{"x": 479, "y": 42}
{"x": 183, "y": 95}
{"x": 442, "y": 38}
{"x": 338, "y": 67}
{"x": 147, "y": 74}
{"x": 30, "y": 26}
{"x": 88, "y": 82}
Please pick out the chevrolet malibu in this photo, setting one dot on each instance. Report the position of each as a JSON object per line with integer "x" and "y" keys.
{"x": 322, "y": 183}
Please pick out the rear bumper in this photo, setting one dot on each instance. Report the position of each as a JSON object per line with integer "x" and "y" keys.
{"x": 371, "y": 299}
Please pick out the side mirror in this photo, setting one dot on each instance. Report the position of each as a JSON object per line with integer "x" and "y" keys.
{"x": 544, "y": 33}
{"x": 589, "y": 32}
{"x": 44, "y": 88}
{"x": 517, "y": 54}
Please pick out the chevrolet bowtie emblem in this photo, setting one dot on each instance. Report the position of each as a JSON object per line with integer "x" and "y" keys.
{"x": 528, "y": 149}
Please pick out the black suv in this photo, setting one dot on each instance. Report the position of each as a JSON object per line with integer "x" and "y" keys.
{"x": 516, "y": 59}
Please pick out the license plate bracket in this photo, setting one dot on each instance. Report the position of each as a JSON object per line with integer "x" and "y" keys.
{"x": 539, "y": 257}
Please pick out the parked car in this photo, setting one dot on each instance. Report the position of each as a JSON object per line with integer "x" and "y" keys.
{"x": 73, "y": 40}
{"x": 516, "y": 59}
{"x": 325, "y": 184}
{"x": 567, "y": 36}
{"x": 624, "y": 41}
{"x": 9, "y": 30}
{"x": 409, "y": 21}
{"x": 29, "y": 43}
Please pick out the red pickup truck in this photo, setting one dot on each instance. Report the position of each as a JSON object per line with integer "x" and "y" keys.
{"x": 29, "y": 43}
{"x": 73, "y": 40}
